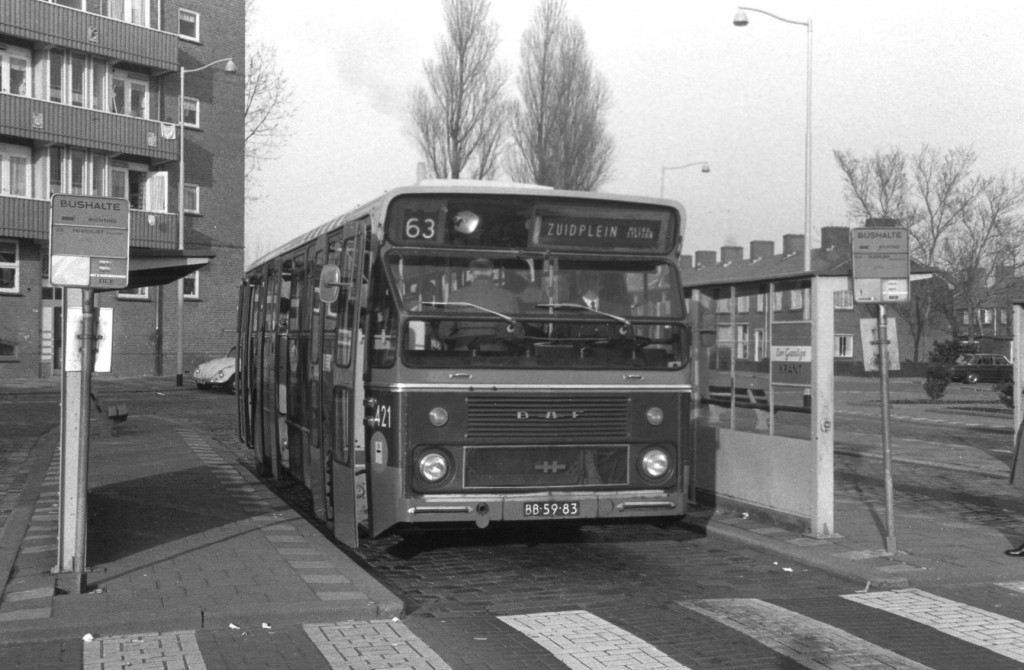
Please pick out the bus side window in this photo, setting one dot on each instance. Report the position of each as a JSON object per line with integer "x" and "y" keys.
{"x": 383, "y": 329}
{"x": 349, "y": 315}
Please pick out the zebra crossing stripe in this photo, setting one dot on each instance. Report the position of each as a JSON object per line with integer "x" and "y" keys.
{"x": 373, "y": 645}
{"x": 1003, "y": 635}
{"x": 810, "y": 643}
{"x": 583, "y": 641}
{"x": 143, "y": 650}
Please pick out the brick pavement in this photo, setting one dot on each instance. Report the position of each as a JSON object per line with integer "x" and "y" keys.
{"x": 244, "y": 557}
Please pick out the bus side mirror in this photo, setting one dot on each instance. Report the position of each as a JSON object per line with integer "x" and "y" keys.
{"x": 330, "y": 283}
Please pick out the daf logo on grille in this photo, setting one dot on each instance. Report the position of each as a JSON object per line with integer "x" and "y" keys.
{"x": 549, "y": 415}
{"x": 550, "y": 467}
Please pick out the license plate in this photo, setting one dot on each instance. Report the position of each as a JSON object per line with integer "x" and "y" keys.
{"x": 551, "y": 509}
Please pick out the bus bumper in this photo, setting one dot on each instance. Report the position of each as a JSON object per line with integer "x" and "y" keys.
{"x": 563, "y": 507}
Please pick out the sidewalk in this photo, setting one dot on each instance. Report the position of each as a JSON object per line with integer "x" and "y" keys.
{"x": 180, "y": 536}
{"x": 956, "y": 535}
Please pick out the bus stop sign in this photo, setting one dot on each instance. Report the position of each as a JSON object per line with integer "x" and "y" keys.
{"x": 89, "y": 240}
{"x": 881, "y": 264}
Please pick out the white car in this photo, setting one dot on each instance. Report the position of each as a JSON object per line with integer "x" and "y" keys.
{"x": 218, "y": 373}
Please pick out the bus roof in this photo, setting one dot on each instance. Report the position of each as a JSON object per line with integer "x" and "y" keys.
{"x": 456, "y": 186}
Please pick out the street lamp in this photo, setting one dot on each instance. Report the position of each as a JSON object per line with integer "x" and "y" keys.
{"x": 229, "y": 67}
{"x": 741, "y": 20}
{"x": 704, "y": 167}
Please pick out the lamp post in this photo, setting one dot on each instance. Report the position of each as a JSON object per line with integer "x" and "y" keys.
{"x": 229, "y": 67}
{"x": 741, "y": 20}
{"x": 704, "y": 167}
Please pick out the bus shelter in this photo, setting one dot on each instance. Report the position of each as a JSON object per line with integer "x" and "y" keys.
{"x": 764, "y": 384}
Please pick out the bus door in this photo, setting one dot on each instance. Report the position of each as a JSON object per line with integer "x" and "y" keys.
{"x": 344, "y": 282}
{"x": 266, "y": 447}
{"x": 295, "y": 385}
{"x": 243, "y": 328}
{"x": 315, "y": 379}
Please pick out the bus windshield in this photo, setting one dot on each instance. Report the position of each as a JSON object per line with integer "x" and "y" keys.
{"x": 537, "y": 310}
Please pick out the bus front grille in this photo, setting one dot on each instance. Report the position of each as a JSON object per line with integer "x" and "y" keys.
{"x": 532, "y": 417}
{"x": 546, "y": 467}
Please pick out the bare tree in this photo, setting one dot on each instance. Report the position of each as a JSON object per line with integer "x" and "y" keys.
{"x": 559, "y": 135}
{"x": 986, "y": 247}
{"x": 960, "y": 224}
{"x": 268, "y": 107}
{"x": 460, "y": 117}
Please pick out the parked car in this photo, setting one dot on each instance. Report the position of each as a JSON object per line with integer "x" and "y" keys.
{"x": 218, "y": 373}
{"x": 974, "y": 368}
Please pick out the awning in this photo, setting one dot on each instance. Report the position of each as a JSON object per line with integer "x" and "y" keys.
{"x": 155, "y": 267}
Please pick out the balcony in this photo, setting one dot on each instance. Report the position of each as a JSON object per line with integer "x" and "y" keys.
{"x": 27, "y": 217}
{"x": 73, "y": 29}
{"x": 49, "y": 122}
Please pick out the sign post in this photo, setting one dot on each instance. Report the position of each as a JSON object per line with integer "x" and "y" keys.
{"x": 881, "y": 275}
{"x": 89, "y": 242}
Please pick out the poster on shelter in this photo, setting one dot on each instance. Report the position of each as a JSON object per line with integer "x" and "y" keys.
{"x": 790, "y": 353}
{"x": 869, "y": 342}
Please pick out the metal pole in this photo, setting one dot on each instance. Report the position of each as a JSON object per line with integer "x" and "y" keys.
{"x": 179, "y": 355}
{"x": 88, "y": 354}
{"x": 807, "y": 161}
{"x": 883, "y": 364}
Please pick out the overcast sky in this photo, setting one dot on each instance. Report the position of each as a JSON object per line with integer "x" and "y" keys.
{"x": 686, "y": 86}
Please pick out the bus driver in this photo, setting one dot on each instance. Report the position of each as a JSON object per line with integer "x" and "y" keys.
{"x": 481, "y": 291}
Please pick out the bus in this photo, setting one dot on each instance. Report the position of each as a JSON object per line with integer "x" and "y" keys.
{"x": 427, "y": 360}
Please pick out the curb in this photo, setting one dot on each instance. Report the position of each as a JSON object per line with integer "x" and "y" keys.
{"x": 836, "y": 567}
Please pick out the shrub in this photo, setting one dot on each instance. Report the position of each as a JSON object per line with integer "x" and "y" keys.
{"x": 936, "y": 380}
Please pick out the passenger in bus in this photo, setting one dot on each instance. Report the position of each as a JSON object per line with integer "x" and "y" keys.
{"x": 594, "y": 297}
{"x": 481, "y": 291}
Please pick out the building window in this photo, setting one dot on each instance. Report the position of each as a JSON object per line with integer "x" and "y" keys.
{"x": 15, "y": 74}
{"x": 140, "y": 293}
{"x": 1004, "y": 316}
{"x": 844, "y": 346}
{"x": 15, "y": 162}
{"x": 190, "y": 112}
{"x": 796, "y": 298}
{"x": 129, "y": 94}
{"x": 843, "y": 299}
{"x": 964, "y": 318}
{"x": 722, "y": 300}
{"x": 191, "y": 198}
{"x": 9, "y": 268}
{"x": 985, "y": 317}
{"x": 742, "y": 340}
{"x": 188, "y": 24}
{"x": 759, "y": 345}
{"x": 777, "y": 300}
{"x": 192, "y": 286}
{"x": 743, "y": 304}
{"x": 761, "y": 298}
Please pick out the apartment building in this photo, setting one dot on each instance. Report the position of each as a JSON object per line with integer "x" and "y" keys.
{"x": 91, "y": 104}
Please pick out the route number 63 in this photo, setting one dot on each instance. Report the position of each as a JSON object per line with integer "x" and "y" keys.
{"x": 417, "y": 228}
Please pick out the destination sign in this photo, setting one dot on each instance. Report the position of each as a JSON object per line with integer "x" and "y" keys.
{"x": 598, "y": 233}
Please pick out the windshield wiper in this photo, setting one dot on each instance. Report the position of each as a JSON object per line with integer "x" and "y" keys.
{"x": 512, "y": 323}
{"x": 626, "y": 325}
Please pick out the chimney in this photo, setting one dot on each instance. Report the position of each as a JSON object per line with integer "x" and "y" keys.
{"x": 836, "y": 239}
{"x": 761, "y": 249}
{"x": 704, "y": 259}
{"x": 731, "y": 254}
{"x": 792, "y": 244}
{"x": 686, "y": 262}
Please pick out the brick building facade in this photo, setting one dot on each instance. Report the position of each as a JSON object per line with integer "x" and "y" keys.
{"x": 89, "y": 105}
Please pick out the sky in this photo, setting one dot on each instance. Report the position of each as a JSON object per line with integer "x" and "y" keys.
{"x": 687, "y": 87}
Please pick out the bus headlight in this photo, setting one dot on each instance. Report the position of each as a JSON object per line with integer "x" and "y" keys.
{"x": 433, "y": 467}
{"x": 655, "y": 463}
{"x": 439, "y": 416}
{"x": 655, "y": 416}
